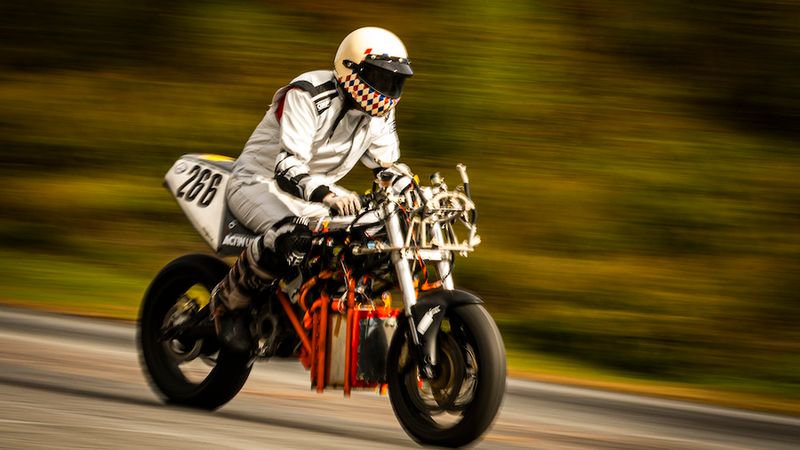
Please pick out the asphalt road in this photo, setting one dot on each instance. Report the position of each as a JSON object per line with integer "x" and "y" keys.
{"x": 69, "y": 382}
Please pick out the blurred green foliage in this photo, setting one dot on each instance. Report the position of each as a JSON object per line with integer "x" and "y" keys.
{"x": 634, "y": 162}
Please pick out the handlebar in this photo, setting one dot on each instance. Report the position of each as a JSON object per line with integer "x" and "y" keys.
{"x": 389, "y": 177}
{"x": 364, "y": 199}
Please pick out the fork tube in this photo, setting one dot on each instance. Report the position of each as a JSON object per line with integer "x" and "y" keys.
{"x": 403, "y": 269}
{"x": 401, "y": 264}
{"x": 443, "y": 267}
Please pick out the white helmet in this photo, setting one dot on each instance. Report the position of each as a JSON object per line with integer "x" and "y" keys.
{"x": 372, "y": 65}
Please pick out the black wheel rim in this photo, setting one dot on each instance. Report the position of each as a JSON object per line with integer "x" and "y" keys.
{"x": 189, "y": 362}
{"x": 443, "y": 401}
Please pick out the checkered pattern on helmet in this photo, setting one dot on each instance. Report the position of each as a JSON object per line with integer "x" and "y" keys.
{"x": 372, "y": 101}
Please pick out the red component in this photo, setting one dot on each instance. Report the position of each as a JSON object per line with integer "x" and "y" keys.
{"x": 317, "y": 350}
{"x": 368, "y": 51}
{"x": 322, "y": 345}
{"x": 306, "y": 352}
{"x": 305, "y": 358}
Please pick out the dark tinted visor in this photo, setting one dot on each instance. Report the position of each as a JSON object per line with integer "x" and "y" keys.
{"x": 387, "y": 79}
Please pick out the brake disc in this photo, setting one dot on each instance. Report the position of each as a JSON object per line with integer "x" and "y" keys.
{"x": 180, "y": 312}
{"x": 446, "y": 387}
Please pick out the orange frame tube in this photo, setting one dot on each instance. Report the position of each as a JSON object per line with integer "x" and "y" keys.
{"x": 316, "y": 347}
{"x": 322, "y": 343}
{"x": 347, "y": 352}
{"x": 351, "y": 322}
{"x": 295, "y": 323}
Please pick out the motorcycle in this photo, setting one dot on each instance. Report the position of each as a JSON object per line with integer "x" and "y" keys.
{"x": 439, "y": 355}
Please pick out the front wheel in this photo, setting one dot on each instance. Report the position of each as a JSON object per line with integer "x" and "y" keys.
{"x": 190, "y": 371}
{"x": 457, "y": 406}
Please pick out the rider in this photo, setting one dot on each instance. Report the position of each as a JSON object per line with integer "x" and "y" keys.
{"x": 315, "y": 131}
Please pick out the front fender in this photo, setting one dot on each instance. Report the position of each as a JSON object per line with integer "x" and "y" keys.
{"x": 428, "y": 313}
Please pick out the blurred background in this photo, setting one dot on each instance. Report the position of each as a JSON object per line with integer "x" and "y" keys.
{"x": 634, "y": 163}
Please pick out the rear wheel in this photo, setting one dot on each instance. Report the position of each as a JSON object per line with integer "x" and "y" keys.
{"x": 458, "y": 405}
{"x": 191, "y": 371}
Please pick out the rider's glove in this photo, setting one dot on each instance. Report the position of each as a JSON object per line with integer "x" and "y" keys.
{"x": 345, "y": 205}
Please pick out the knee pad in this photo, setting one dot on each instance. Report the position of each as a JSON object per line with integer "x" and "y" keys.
{"x": 289, "y": 240}
{"x": 294, "y": 245}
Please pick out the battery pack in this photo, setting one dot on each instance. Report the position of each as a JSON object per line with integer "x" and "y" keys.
{"x": 371, "y": 334}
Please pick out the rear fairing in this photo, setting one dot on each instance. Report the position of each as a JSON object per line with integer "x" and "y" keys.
{"x": 199, "y": 182}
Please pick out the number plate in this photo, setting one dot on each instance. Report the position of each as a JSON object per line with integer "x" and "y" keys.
{"x": 198, "y": 183}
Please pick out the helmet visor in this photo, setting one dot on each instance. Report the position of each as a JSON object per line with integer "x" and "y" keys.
{"x": 387, "y": 81}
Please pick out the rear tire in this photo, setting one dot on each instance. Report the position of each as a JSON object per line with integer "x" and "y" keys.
{"x": 187, "y": 280}
{"x": 458, "y": 406}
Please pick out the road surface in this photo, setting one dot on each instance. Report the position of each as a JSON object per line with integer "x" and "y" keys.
{"x": 68, "y": 382}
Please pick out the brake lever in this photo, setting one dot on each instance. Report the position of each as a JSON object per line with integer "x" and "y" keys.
{"x": 366, "y": 199}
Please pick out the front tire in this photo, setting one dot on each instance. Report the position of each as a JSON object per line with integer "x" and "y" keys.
{"x": 190, "y": 372}
{"x": 459, "y": 405}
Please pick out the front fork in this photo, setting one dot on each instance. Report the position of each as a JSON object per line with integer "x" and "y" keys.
{"x": 406, "y": 280}
{"x": 444, "y": 267}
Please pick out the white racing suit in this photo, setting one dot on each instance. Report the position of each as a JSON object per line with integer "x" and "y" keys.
{"x": 309, "y": 139}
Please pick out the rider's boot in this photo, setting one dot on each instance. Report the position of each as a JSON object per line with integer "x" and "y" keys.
{"x": 230, "y": 302}
{"x": 256, "y": 269}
